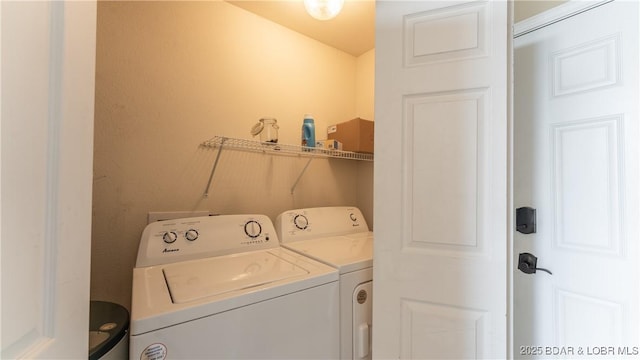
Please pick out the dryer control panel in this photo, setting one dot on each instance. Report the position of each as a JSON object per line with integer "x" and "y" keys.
{"x": 169, "y": 241}
{"x": 311, "y": 223}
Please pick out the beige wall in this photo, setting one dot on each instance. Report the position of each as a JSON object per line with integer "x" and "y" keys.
{"x": 170, "y": 75}
{"x": 526, "y": 8}
{"x": 365, "y": 80}
{"x": 365, "y": 84}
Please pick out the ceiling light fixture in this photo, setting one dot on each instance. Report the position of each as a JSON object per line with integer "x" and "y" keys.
{"x": 323, "y": 9}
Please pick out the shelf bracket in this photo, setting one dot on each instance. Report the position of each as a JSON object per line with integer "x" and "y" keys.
{"x": 215, "y": 165}
{"x": 293, "y": 188}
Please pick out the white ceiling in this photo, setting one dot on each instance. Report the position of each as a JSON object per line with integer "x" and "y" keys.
{"x": 352, "y": 31}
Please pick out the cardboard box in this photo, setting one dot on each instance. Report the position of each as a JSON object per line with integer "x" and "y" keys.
{"x": 355, "y": 135}
{"x": 329, "y": 144}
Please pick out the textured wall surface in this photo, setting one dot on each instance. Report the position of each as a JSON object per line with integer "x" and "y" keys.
{"x": 170, "y": 75}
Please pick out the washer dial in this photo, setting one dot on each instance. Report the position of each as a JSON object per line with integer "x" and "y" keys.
{"x": 301, "y": 221}
{"x": 191, "y": 234}
{"x": 170, "y": 237}
{"x": 252, "y": 228}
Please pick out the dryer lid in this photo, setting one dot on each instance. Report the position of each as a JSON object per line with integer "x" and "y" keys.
{"x": 346, "y": 252}
{"x": 194, "y": 280}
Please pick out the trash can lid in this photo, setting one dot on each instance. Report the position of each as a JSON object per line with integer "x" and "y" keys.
{"x": 108, "y": 324}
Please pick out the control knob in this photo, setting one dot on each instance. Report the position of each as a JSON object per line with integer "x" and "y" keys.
{"x": 170, "y": 237}
{"x": 191, "y": 234}
{"x": 301, "y": 221}
{"x": 252, "y": 228}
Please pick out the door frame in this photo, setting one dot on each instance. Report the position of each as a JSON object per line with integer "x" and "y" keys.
{"x": 554, "y": 15}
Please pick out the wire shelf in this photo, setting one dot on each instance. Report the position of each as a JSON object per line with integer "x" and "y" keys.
{"x": 282, "y": 149}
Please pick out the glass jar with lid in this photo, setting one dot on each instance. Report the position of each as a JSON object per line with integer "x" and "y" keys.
{"x": 267, "y": 128}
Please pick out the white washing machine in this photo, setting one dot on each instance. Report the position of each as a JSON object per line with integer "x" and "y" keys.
{"x": 338, "y": 236}
{"x": 222, "y": 287}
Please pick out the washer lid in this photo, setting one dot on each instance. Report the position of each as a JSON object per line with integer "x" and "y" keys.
{"x": 346, "y": 252}
{"x": 193, "y": 280}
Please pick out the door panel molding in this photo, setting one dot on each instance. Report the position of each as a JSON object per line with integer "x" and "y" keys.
{"x": 601, "y": 55}
{"x": 462, "y": 34}
{"x": 574, "y": 198}
{"x": 444, "y": 158}
{"x": 570, "y": 311}
{"x": 436, "y": 329}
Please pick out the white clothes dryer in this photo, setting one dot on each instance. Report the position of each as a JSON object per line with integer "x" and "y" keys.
{"x": 338, "y": 236}
{"x": 221, "y": 287}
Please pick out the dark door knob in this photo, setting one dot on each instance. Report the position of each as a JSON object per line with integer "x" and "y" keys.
{"x": 528, "y": 264}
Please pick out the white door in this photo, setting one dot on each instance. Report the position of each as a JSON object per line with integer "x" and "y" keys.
{"x": 441, "y": 180}
{"x": 48, "y": 71}
{"x": 576, "y": 161}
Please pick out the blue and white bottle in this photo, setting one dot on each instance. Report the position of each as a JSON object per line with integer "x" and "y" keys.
{"x": 308, "y": 131}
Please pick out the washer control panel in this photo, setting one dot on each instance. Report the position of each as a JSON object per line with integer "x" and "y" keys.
{"x": 169, "y": 241}
{"x": 303, "y": 224}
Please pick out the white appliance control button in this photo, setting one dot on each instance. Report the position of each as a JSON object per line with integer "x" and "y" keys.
{"x": 191, "y": 234}
{"x": 301, "y": 222}
{"x": 353, "y": 217}
{"x": 252, "y": 228}
{"x": 170, "y": 237}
